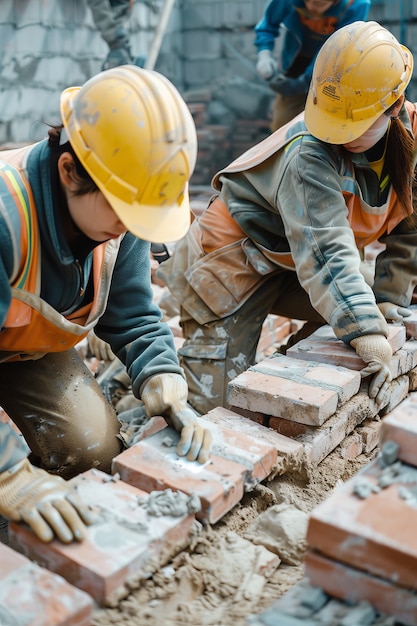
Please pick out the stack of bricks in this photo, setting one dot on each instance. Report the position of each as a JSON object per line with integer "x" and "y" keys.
{"x": 314, "y": 394}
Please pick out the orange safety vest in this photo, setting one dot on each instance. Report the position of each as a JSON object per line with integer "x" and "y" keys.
{"x": 32, "y": 327}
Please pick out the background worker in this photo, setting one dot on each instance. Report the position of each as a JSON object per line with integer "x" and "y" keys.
{"x": 110, "y": 18}
{"x": 293, "y": 215}
{"x": 77, "y": 213}
{"x": 303, "y": 25}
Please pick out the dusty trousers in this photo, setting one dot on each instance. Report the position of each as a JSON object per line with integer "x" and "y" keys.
{"x": 216, "y": 352}
{"x": 61, "y": 412}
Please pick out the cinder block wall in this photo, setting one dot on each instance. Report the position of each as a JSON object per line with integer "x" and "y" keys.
{"x": 207, "y": 51}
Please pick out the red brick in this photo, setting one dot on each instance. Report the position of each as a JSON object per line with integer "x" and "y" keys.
{"x": 124, "y": 546}
{"x": 351, "y": 447}
{"x": 323, "y": 346}
{"x": 33, "y": 596}
{"x": 400, "y": 426}
{"x": 153, "y": 464}
{"x": 369, "y": 431}
{"x": 376, "y": 534}
{"x": 289, "y": 453}
{"x": 410, "y": 324}
{"x": 353, "y": 586}
{"x": 281, "y": 397}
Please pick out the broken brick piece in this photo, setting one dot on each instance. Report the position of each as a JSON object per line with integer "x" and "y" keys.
{"x": 124, "y": 546}
{"x": 33, "y": 596}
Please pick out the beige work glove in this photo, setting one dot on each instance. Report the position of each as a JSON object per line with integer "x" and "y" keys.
{"x": 166, "y": 395}
{"x": 44, "y": 501}
{"x": 393, "y": 312}
{"x": 266, "y": 66}
{"x": 376, "y": 351}
{"x": 99, "y": 348}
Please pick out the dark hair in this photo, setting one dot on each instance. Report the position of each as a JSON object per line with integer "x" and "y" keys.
{"x": 399, "y": 163}
{"x": 85, "y": 183}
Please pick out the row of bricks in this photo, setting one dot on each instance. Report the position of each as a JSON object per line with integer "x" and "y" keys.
{"x": 362, "y": 544}
{"x": 147, "y": 511}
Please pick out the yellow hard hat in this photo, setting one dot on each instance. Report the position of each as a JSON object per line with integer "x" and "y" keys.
{"x": 359, "y": 72}
{"x": 135, "y": 136}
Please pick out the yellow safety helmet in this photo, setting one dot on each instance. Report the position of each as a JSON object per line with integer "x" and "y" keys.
{"x": 135, "y": 136}
{"x": 359, "y": 72}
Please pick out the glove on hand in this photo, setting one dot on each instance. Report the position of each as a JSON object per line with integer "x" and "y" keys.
{"x": 289, "y": 86}
{"x": 166, "y": 395}
{"x": 376, "y": 351}
{"x": 44, "y": 501}
{"x": 99, "y": 348}
{"x": 393, "y": 311}
{"x": 266, "y": 65}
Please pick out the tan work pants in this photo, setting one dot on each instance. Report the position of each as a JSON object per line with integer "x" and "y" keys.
{"x": 215, "y": 353}
{"x": 62, "y": 413}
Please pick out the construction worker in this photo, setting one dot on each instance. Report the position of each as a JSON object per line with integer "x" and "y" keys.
{"x": 293, "y": 215}
{"x": 305, "y": 24}
{"x": 77, "y": 213}
{"x": 110, "y": 18}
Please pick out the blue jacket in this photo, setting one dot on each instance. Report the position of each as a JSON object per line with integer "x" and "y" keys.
{"x": 299, "y": 38}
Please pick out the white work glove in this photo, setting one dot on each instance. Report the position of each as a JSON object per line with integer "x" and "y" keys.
{"x": 266, "y": 66}
{"x": 99, "y": 348}
{"x": 45, "y": 502}
{"x": 376, "y": 351}
{"x": 393, "y": 312}
{"x": 166, "y": 395}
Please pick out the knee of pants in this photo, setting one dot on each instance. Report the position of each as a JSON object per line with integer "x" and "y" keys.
{"x": 82, "y": 438}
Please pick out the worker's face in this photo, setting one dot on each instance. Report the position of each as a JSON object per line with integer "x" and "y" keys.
{"x": 370, "y": 137}
{"x": 94, "y": 216}
{"x": 316, "y": 8}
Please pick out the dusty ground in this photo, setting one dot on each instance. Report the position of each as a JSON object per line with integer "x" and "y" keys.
{"x": 216, "y": 582}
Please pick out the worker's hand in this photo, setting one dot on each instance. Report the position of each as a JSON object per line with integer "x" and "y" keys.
{"x": 166, "y": 395}
{"x": 116, "y": 57}
{"x": 266, "y": 65}
{"x": 99, "y": 348}
{"x": 393, "y": 312}
{"x": 376, "y": 351}
{"x": 45, "y": 502}
{"x": 289, "y": 86}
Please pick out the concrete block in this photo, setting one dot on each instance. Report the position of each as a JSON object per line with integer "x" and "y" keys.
{"x": 128, "y": 542}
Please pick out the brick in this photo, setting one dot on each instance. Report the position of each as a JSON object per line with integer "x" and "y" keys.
{"x": 122, "y": 548}
{"x": 299, "y": 402}
{"x": 398, "y": 393}
{"x": 351, "y": 447}
{"x": 33, "y": 596}
{"x": 373, "y": 533}
{"x": 288, "y": 452}
{"x": 369, "y": 431}
{"x": 400, "y": 426}
{"x": 410, "y": 324}
{"x": 153, "y": 464}
{"x": 323, "y": 346}
{"x": 352, "y": 585}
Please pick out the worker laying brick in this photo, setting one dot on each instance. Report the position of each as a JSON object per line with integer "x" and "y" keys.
{"x": 77, "y": 213}
{"x": 287, "y": 231}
